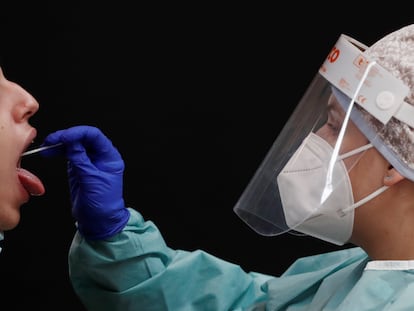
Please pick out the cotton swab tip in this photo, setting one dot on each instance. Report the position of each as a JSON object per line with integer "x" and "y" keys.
{"x": 36, "y": 150}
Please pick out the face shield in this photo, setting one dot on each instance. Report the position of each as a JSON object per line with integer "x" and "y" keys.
{"x": 303, "y": 183}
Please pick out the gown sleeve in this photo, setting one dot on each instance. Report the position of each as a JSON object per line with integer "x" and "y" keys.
{"x": 136, "y": 270}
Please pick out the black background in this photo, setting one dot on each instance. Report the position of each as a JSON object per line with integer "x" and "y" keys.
{"x": 192, "y": 95}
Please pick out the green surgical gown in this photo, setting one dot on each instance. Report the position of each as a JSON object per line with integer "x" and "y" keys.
{"x": 136, "y": 270}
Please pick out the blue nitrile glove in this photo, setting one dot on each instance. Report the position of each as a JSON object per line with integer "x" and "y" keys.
{"x": 95, "y": 170}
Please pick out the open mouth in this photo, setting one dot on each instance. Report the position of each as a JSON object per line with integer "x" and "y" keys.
{"x": 29, "y": 181}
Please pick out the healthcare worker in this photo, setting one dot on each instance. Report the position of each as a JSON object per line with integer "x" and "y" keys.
{"x": 341, "y": 170}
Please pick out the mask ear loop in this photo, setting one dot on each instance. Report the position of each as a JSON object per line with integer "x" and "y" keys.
{"x": 369, "y": 196}
{"x": 355, "y": 151}
{"x": 363, "y": 200}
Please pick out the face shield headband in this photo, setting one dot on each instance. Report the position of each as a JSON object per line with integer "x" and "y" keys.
{"x": 348, "y": 80}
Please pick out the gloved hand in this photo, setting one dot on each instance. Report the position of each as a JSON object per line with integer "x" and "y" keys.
{"x": 95, "y": 171}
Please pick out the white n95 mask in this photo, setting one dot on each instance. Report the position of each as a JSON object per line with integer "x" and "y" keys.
{"x": 303, "y": 184}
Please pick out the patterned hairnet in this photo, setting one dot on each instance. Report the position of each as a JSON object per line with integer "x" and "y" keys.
{"x": 395, "y": 52}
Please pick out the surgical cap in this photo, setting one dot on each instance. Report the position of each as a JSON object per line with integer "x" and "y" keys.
{"x": 395, "y": 53}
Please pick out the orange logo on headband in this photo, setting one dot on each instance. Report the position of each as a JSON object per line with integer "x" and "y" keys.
{"x": 334, "y": 54}
{"x": 360, "y": 61}
{"x": 361, "y": 99}
{"x": 343, "y": 83}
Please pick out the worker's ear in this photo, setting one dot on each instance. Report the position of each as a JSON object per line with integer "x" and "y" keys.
{"x": 392, "y": 177}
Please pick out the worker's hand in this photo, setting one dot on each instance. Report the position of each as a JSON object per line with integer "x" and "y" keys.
{"x": 95, "y": 170}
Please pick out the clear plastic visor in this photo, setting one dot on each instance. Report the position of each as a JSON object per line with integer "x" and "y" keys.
{"x": 309, "y": 150}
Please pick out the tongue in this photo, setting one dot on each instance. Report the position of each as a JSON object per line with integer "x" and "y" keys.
{"x": 30, "y": 182}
